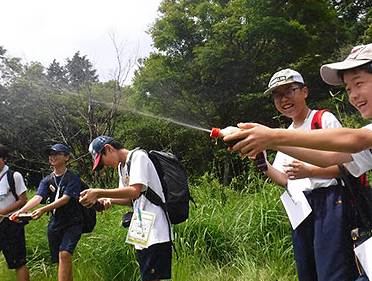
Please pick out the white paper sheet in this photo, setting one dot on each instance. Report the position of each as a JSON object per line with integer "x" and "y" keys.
{"x": 296, "y": 206}
{"x": 364, "y": 254}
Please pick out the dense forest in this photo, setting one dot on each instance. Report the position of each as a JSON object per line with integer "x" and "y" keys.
{"x": 213, "y": 61}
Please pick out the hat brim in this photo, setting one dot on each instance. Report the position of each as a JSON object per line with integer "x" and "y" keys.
{"x": 98, "y": 165}
{"x": 48, "y": 151}
{"x": 328, "y": 72}
{"x": 269, "y": 91}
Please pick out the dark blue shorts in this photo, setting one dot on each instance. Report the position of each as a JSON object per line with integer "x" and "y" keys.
{"x": 64, "y": 239}
{"x": 156, "y": 261}
{"x": 12, "y": 243}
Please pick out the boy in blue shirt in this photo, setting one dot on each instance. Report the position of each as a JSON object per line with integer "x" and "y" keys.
{"x": 62, "y": 188}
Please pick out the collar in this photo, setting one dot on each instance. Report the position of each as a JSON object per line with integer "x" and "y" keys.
{"x": 5, "y": 169}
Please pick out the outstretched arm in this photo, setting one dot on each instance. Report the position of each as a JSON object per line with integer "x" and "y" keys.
{"x": 50, "y": 207}
{"x": 316, "y": 157}
{"x": 257, "y": 137}
{"x": 88, "y": 197}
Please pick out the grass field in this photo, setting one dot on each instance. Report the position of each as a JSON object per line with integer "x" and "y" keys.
{"x": 231, "y": 235}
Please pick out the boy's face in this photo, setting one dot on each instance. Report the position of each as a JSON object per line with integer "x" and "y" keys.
{"x": 290, "y": 99}
{"x": 2, "y": 163}
{"x": 359, "y": 89}
{"x": 110, "y": 158}
{"x": 57, "y": 159}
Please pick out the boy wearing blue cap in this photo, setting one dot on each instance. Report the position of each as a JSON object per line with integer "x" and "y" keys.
{"x": 61, "y": 190}
{"x": 155, "y": 254}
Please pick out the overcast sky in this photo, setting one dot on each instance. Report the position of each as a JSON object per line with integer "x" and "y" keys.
{"x": 43, "y": 30}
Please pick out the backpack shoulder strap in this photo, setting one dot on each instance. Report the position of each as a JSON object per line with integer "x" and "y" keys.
{"x": 50, "y": 179}
{"x": 131, "y": 156}
{"x": 316, "y": 122}
{"x": 11, "y": 181}
{"x": 150, "y": 194}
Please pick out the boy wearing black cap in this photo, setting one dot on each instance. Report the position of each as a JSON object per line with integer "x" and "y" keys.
{"x": 12, "y": 235}
{"x": 62, "y": 188}
{"x": 155, "y": 254}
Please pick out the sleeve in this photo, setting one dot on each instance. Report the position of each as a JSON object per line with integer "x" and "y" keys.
{"x": 43, "y": 190}
{"x": 139, "y": 168}
{"x": 20, "y": 185}
{"x": 73, "y": 187}
{"x": 330, "y": 121}
{"x": 362, "y": 161}
{"x": 361, "y": 164}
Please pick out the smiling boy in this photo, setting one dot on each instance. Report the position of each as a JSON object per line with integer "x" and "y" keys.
{"x": 355, "y": 72}
{"x": 316, "y": 258}
{"x": 62, "y": 193}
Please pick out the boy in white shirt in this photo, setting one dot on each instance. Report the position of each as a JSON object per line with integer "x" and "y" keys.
{"x": 156, "y": 257}
{"x": 12, "y": 234}
{"x": 317, "y": 258}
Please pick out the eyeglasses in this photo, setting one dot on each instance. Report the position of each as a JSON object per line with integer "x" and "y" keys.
{"x": 288, "y": 94}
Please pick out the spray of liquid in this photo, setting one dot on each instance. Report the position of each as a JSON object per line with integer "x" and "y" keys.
{"x": 169, "y": 120}
{"x": 135, "y": 111}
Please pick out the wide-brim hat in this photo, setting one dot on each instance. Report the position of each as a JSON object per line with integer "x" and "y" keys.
{"x": 358, "y": 56}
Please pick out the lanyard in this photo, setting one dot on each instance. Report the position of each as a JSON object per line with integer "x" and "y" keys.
{"x": 58, "y": 187}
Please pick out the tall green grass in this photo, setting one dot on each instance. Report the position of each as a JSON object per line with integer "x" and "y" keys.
{"x": 230, "y": 235}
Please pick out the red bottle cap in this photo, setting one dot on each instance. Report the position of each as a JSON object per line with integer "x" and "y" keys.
{"x": 215, "y": 133}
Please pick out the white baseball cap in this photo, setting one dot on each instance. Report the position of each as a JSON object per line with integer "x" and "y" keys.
{"x": 282, "y": 77}
{"x": 358, "y": 56}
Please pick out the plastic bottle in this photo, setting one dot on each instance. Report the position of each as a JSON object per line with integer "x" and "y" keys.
{"x": 217, "y": 133}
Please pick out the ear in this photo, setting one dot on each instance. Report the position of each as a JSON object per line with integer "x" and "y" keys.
{"x": 109, "y": 147}
{"x": 305, "y": 91}
{"x": 67, "y": 157}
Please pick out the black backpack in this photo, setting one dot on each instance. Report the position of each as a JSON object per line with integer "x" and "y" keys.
{"x": 87, "y": 215}
{"x": 360, "y": 199}
{"x": 173, "y": 179}
{"x": 10, "y": 177}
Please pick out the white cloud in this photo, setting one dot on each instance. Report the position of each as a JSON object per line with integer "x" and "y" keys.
{"x": 43, "y": 30}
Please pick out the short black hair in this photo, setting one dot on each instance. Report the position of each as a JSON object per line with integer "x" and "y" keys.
{"x": 367, "y": 67}
{"x": 4, "y": 151}
{"x": 115, "y": 144}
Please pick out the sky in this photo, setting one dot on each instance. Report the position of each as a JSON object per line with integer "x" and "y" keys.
{"x": 44, "y": 30}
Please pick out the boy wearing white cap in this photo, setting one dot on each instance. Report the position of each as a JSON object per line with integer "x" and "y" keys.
{"x": 316, "y": 257}
{"x": 355, "y": 72}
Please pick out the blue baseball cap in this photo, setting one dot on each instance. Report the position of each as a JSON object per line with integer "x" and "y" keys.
{"x": 95, "y": 148}
{"x": 58, "y": 147}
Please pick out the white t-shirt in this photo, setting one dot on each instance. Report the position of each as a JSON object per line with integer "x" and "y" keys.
{"x": 328, "y": 121}
{"x": 20, "y": 188}
{"x": 142, "y": 171}
{"x": 362, "y": 160}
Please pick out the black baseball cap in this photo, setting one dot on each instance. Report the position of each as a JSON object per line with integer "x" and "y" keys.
{"x": 58, "y": 147}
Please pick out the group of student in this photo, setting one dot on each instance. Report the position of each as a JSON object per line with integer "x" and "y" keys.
{"x": 323, "y": 247}
{"x": 61, "y": 192}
